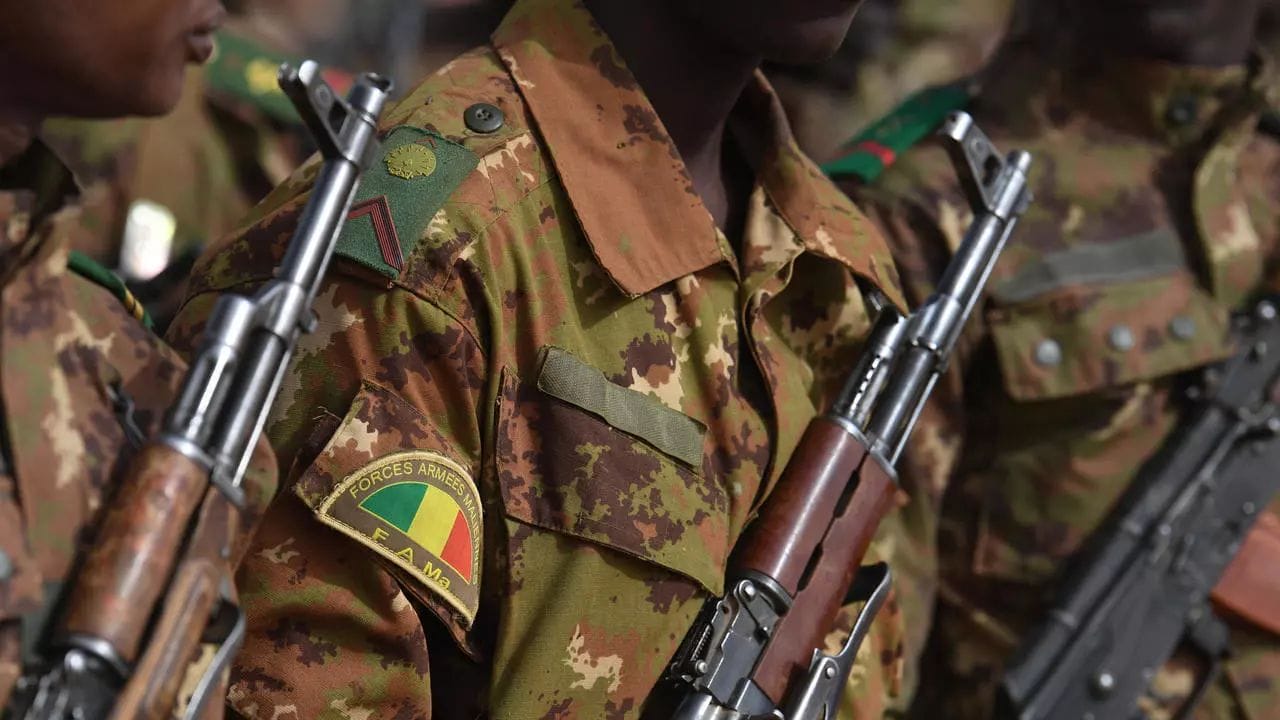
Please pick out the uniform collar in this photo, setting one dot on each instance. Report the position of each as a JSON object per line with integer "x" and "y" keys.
{"x": 33, "y": 186}
{"x": 632, "y": 194}
{"x": 823, "y": 218}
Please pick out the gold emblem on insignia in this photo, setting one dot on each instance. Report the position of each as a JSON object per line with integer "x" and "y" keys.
{"x": 262, "y": 76}
{"x": 411, "y": 161}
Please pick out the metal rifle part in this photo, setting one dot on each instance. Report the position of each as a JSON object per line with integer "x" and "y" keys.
{"x": 997, "y": 193}
{"x": 248, "y": 342}
{"x": 212, "y": 427}
{"x": 836, "y": 488}
{"x": 1142, "y": 586}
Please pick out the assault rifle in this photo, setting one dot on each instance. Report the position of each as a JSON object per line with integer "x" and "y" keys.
{"x": 1143, "y": 587}
{"x": 756, "y": 651}
{"x": 156, "y": 586}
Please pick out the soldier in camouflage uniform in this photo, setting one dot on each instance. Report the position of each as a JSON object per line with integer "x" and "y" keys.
{"x": 1155, "y": 216}
{"x": 81, "y": 380}
{"x": 558, "y": 366}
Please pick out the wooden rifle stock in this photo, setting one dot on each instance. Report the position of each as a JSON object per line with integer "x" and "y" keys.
{"x": 175, "y": 640}
{"x": 128, "y": 569}
{"x": 797, "y": 523}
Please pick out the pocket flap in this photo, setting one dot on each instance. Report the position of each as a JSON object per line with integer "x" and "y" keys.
{"x": 567, "y": 470}
{"x": 1081, "y": 338}
{"x": 390, "y": 481}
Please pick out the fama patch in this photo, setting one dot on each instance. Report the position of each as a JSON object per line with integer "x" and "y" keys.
{"x": 421, "y": 511}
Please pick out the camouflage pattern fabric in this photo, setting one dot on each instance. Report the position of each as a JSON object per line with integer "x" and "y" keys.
{"x": 564, "y": 342}
{"x": 71, "y": 357}
{"x": 1155, "y": 216}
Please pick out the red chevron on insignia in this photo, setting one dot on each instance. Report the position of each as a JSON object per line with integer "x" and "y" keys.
{"x": 378, "y": 211}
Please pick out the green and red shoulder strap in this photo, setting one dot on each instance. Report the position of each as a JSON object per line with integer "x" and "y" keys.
{"x": 868, "y": 154}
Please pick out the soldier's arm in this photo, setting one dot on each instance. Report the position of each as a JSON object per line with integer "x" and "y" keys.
{"x": 348, "y": 611}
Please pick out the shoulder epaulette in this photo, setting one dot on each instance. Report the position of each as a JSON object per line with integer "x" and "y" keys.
{"x": 89, "y": 269}
{"x": 244, "y": 70}
{"x": 398, "y": 196}
{"x": 868, "y": 154}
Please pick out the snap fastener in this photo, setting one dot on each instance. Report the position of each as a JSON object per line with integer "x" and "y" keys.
{"x": 483, "y": 118}
{"x": 1048, "y": 353}
{"x": 1182, "y": 327}
{"x": 1182, "y": 111}
{"x": 1120, "y": 338}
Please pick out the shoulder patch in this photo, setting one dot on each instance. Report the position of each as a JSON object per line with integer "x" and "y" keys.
{"x": 421, "y": 511}
{"x": 89, "y": 269}
{"x": 867, "y": 155}
{"x": 398, "y": 197}
{"x": 243, "y": 69}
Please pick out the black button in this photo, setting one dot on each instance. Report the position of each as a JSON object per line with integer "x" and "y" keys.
{"x": 1182, "y": 111}
{"x": 483, "y": 118}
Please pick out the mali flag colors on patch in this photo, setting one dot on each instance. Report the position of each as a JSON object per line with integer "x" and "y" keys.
{"x": 430, "y": 517}
{"x": 420, "y": 511}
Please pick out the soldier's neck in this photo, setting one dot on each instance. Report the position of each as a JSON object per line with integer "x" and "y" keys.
{"x": 693, "y": 83}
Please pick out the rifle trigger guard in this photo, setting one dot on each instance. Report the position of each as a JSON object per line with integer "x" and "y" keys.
{"x": 818, "y": 695}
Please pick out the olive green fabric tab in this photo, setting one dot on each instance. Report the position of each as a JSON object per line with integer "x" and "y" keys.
{"x": 1148, "y": 255}
{"x": 868, "y": 154}
{"x": 242, "y": 69}
{"x": 567, "y": 378}
{"x": 410, "y": 181}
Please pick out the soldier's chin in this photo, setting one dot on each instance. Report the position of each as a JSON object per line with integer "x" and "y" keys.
{"x": 153, "y": 94}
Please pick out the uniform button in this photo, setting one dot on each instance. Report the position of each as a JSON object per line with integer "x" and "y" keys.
{"x": 1120, "y": 338}
{"x": 6, "y": 566}
{"x": 1048, "y": 353}
{"x": 483, "y": 118}
{"x": 1182, "y": 327}
{"x": 1181, "y": 111}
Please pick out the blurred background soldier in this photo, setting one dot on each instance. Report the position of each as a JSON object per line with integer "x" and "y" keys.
{"x": 896, "y": 48}
{"x": 1155, "y": 216}
{"x": 156, "y": 191}
{"x": 82, "y": 381}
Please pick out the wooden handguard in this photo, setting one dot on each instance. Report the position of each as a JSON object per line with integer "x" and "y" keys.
{"x": 834, "y": 528}
{"x": 137, "y": 548}
{"x": 794, "y": 521}
{"x": 175, "y": 641}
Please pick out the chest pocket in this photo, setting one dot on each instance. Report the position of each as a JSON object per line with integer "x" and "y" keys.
{"x": 581, "y": 456}
{"x": 1088, "y": 343}
{"x": 614, "y": 537}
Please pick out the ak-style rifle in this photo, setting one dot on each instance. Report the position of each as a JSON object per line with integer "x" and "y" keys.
{"x": 1142, "y": 587}
{"x": 757, "y": 651}
{"x": 156, "y": 586}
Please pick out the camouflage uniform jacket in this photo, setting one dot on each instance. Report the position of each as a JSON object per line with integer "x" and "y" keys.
{"x": 545, "y": 394}
{"x": 1155, "y": 216}
{"x": 71, "y": 358}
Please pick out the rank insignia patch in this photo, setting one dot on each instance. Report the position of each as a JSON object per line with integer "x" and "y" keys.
{"x": 421, "y": 511}
{"x": 417, "y": 173}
